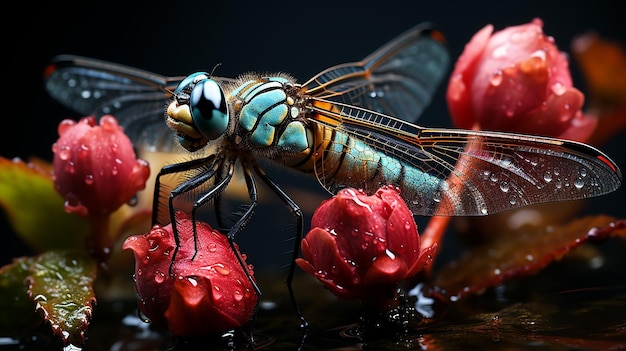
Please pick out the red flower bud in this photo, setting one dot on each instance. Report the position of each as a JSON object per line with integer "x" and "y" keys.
{"x": 362, "y": 246}
{"x": 209, "y": 293}
{"x": 517, "y": 80}
{"x": 95, "y": 168}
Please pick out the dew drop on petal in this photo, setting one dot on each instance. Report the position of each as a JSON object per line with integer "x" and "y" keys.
{"x": 221, "y": 269}
{"x": 71, "y": 200}
{"x": 496, "y": 78}
{"x": 540, "y": 54}
{"x": 64, "y": 152}
{"x": 499, "y": 52}
{"x": 217, "y": 292}
{"x": 558, "y": 88}
{"x": 390, "y": 254}
{"x": 159, "y": 277}
{"x": 153, "y": 245}
{"x": 407, "y": 225}
{"x": 89, "y": 179}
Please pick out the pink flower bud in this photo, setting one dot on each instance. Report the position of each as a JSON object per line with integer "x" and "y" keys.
{"x": 95, "y": 168}
{"x": 517, "y": 80}
{"x": 208, "y": 294}
{"x": 362, "y": 246}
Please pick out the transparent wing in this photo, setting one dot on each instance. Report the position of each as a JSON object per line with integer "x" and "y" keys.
{"x": 398, "y": 79}
{"x": 135, "y": 97}
{"x": 455, "y": 172}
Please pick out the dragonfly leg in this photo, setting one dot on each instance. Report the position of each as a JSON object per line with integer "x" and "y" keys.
{"x": 207, "y": 170}
{"x": 243, "y": 219}
{"x": 171, "y": 169}
{"x": 297, "y": 213}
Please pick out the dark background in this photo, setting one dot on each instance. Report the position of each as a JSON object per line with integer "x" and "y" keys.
{"x": 301, "y": 38}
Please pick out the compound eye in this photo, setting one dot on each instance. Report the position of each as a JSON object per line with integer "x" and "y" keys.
{"x": 186, "y": 84}
{"x": 208, "y": 107}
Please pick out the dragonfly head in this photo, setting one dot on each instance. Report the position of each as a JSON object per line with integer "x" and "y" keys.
{"x": 198, "y": 111}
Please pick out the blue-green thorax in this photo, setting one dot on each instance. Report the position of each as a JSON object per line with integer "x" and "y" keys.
{"x": 269, "y": 117}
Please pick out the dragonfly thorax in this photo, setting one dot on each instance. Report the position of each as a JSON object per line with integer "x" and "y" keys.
{"x": 269, "y": 117}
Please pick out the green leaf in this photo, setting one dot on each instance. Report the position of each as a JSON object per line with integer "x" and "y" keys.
{"x": 525, "y": 253}
{"x": 35, "y": 209}
{"x": 61, "y": 285}
{"x": 17, "y": 310}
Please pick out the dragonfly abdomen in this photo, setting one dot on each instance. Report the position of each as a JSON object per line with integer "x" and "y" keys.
{"x": 340, "y": 160}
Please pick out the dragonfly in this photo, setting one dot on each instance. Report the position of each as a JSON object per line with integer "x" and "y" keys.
{"x": 351, "y": 125}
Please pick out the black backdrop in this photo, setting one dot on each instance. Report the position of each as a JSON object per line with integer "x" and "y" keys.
{"x": 177, "y": 38}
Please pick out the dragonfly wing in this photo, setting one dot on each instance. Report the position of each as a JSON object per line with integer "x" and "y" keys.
{"x": 456, "y": 172}
{"x": 135, "y": 97}
{"x": 398, "y": 79}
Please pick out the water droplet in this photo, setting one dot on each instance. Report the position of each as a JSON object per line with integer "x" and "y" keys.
{"x": 153, "y": 245}
{"x": 221, "y": 269}
{"x": 355, "y": 232}
{"x": 483, "y": 210}
{"x": 133, "y": 200}
{"x": 72, "y": 200}
{"x": 499, "y": 52}
{"x": 558, "y": 89}
{"x": 579, "y": 183}
{"x": 437, "y": 196}
{"x": 547, "y": 176}
{"x": 237, "y": 296}
{"x": 194, "y": 282}
{"x": 89, "y": 179}
{"x": 496, "y": 78}
{"x": 583, "y": 172}
{"x": 159, "y": 277}
{"x": 64, "y": 153}
{"x": 390, "y": 254}
{"x": 513, "y": 200}
{"x": 212, "y": 247}
{"x": 540, "y": 54}
{"x": 486, "y": 174}
{"x": 504, "y": 186}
